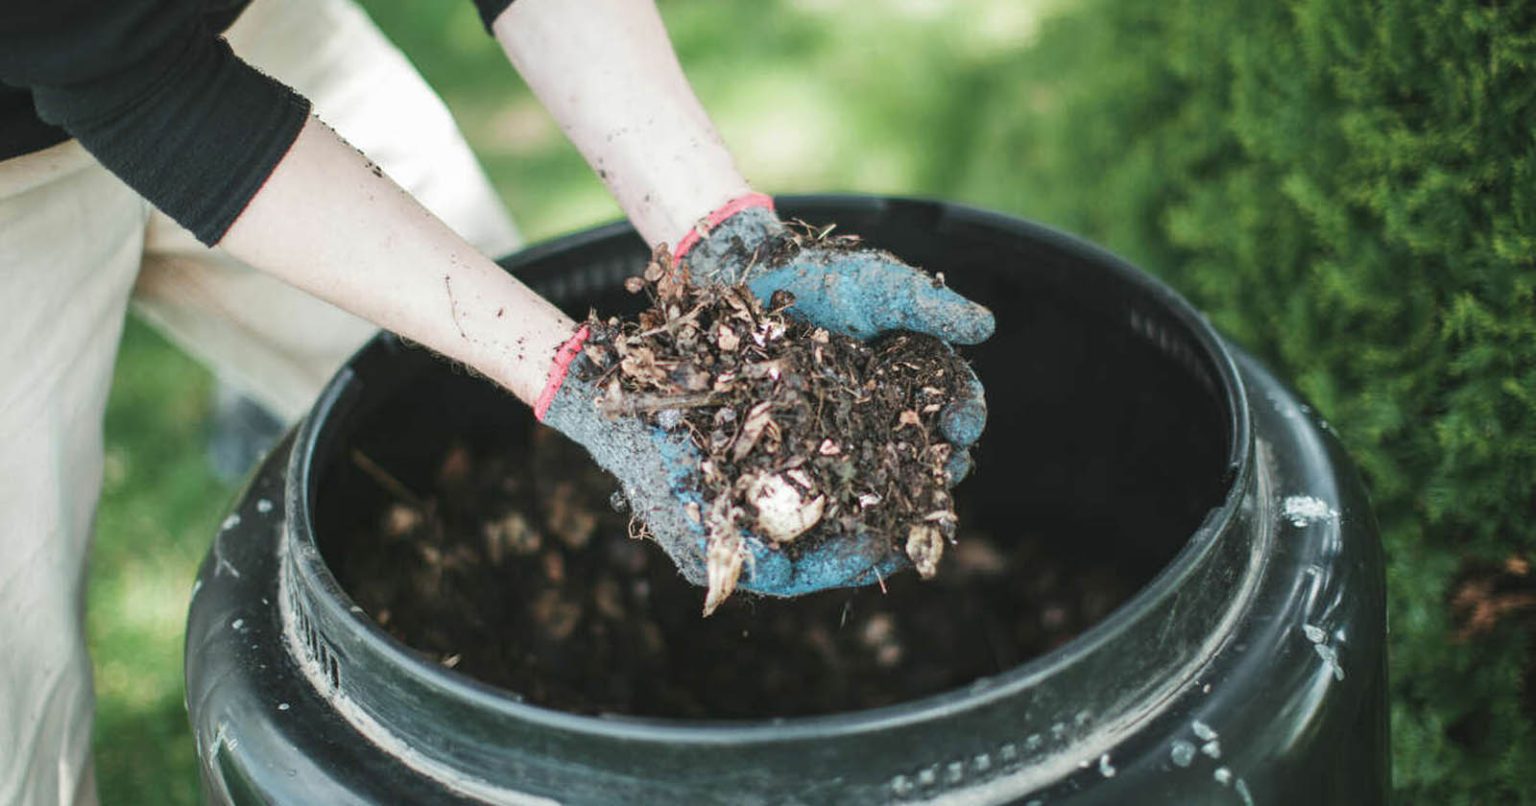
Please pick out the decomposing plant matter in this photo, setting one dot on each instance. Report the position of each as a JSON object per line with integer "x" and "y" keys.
{"x": 499, "y": 556}
{"x": 804, "y": 436}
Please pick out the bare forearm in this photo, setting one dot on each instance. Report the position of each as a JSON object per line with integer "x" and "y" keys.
{"x": 329, "y": 222}
{"x": 606, "y": 71}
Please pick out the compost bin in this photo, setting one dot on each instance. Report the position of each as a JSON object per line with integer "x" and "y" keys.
{"x": 1178, "y": 595}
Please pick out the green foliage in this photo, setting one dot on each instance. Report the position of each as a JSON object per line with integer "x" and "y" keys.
{"x": 1348, "y": 188}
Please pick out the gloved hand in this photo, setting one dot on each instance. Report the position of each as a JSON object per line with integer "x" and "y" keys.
{"x": 857, "y": 291}
{"x": 860, "y": 292}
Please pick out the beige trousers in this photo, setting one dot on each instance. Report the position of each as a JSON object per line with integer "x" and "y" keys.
{"x": 76, "y": 247}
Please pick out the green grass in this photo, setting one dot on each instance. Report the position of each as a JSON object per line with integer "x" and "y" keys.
{"x": 159, "y": 507}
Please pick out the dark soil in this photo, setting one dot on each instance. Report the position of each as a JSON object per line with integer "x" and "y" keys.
{"x": 515, "y": 568}
{"x": 805, "y": 436}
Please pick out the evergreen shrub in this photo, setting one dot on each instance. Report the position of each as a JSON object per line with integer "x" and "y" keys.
{"x": 1349, "y": 189}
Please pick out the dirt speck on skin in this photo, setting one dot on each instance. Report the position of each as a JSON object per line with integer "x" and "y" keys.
{"x": 805, "y": 436}
{"x": 513, "y": 567}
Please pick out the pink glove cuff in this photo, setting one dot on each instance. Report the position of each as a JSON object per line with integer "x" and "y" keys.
{"x": 557, "y": 371}
{"x": 702, "y": 228}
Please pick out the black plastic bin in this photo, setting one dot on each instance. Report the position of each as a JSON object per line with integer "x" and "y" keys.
{"x": 1249, "y": 668}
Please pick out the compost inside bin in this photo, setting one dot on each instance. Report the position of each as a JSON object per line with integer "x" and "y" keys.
{"x": 490, "y": 545}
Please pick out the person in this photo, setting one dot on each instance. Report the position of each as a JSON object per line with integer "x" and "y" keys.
{"x": 180, "y": 155}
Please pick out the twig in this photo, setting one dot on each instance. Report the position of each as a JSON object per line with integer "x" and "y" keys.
{"x": 673, "y": 325}
{"x": 387, "y": 481}
{"x": 646, "y": 404}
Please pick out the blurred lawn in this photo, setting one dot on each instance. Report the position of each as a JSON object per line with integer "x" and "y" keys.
{"x": 813, "y": 95}
{"x": 158, "y": 510}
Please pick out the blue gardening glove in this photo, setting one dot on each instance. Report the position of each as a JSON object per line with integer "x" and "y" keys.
{"x": 857, "y": 291}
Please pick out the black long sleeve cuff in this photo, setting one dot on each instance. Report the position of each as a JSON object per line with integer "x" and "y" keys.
{"x": 197, "y": 133}
{"x": 151, "y": 90}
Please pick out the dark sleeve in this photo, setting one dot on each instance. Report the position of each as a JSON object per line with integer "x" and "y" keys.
{"x": 490, "y": 10}
{"x": 157, "y": 97}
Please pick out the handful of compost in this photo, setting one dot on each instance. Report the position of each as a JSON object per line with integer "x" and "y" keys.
{"x": 774, "y": 419}
{"x": 805, "y": 441}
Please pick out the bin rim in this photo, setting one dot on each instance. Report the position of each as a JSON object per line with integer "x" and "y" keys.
{"x": 321, "y": 589}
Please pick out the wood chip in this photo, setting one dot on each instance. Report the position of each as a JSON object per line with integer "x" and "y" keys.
{"x": 783, "y": 512}
{"x": 925, "y": 545}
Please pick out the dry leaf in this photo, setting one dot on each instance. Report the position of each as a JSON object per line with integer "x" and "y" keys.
{"x": 726, "y": 338}
{"x": 597, "y": 354}
{"x": 724, "y": 556}
{"x": 511, "y": 532}
{"x": 752, "y": 429}
{"x": 401, "y": 519}
{"x": 640, "y": 363}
